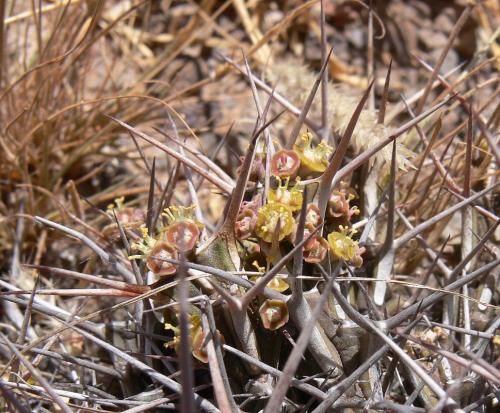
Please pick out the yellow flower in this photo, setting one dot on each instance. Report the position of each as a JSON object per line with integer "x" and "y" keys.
{"x": 342, "y": 245}
{"x": 289, "y": 197}
{"x": 196, "y": 338}
{"x": 276, "y": 284}
{"x": 267, "y": 221}
{"x": 314, "y": 159}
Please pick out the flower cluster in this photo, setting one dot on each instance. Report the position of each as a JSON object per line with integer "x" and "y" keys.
{"x": 276, "y": 220}
{"x": 179, "y": 236}
{"x": 266, "y": 227}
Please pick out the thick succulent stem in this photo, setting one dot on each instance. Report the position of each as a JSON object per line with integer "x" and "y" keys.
{"x": 323, "y": 351}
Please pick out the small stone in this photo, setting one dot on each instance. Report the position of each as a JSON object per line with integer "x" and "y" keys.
{"x": 431, "y": 39}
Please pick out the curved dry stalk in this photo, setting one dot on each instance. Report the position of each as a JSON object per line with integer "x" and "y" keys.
{"x": 115, "y": 284}
{"x": 262, "y": 120}
{"x": 68, "y": 358}
{"x": 46, "y": 308}
{"x": 112, "y": 403}
{"x": 403, "y": 239}
{"x": 276, "y": 96}
{"x": 385, "y": 95}
{"x": 76, "y": 292}
{"x": 222, "y": 388}
{"x": 452, "y": 186}
{"x": 209, "y": 163}
{"x": 324, "y": 80}
{"x": 428, "y": 301}
{"x": 454, "y": 33}
{"x": 231, "y": 278}
{"x": 56, "y": 398}
{"x": 294, "y": 281}
{"x": 185, "y": 359}
{"x": 468, "y": 108}
{"x": 105, "y": 257}
{"x": 466, "y": 231}
{"x": 368, "y": 325}
{"x": 339, "y": 389}
{"x": 487, "y": 371}
{"x": 84, "y": 320}
{"x": 298, "y": 384}
{"x": 428, "y": 150}
{"x": 153, "y": 374}
{"x": 11, "y": 399}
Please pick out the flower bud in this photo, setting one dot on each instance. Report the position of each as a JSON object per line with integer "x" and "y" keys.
{"x": 257, "y": 169}
{"x": 245, "y": 224}
{"x": 313, "y": 216}
{"x": 338, "y": 205}
{"x": 199, "y": 348}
